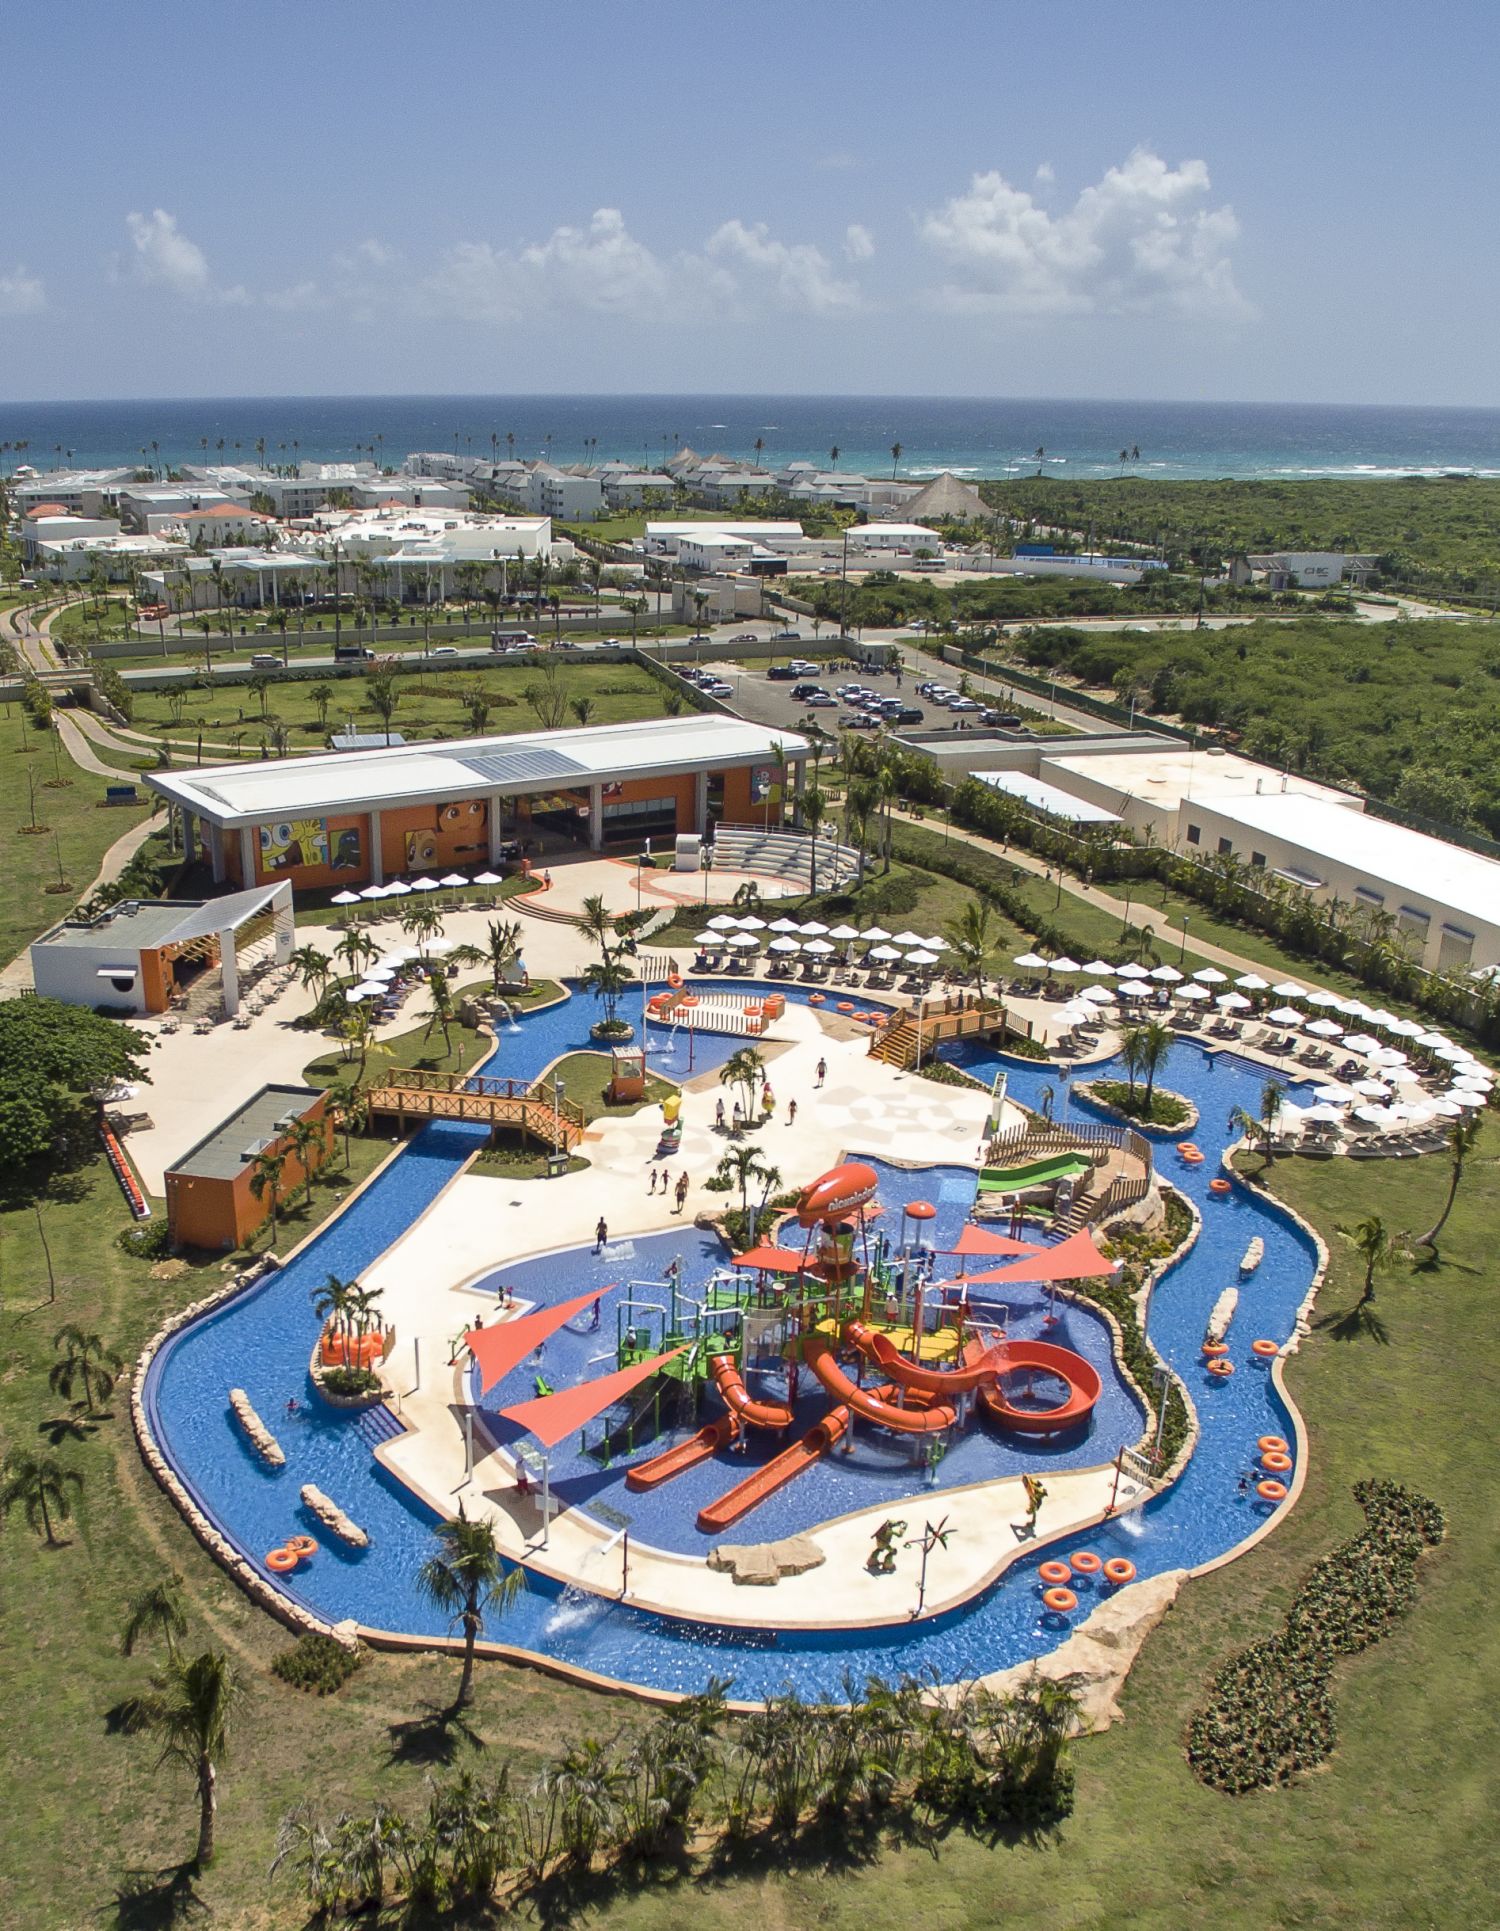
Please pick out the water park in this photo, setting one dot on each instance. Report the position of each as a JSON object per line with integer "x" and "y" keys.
{"x": 921, "y": 1375}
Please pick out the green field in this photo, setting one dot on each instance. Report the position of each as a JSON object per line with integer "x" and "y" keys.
{"x": 1438, "y": 532}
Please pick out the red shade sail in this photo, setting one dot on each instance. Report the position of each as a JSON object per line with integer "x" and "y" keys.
{"x": 774, "y": 1260}
{"x": 979, "y": 1240}
{"x": 551, "y": 1417}
{"x": 1075, "y": 1259}
{"x": 506, "y": 1346}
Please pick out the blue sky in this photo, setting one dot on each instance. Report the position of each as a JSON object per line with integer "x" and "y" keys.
{"x": 1274, "y": 202}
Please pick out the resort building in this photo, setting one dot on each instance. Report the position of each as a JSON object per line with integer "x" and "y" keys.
{"x": 396, "y": 492}
{"x": 782, "y": 535}
{"x": 210, "y": 1200}
{"x": 145, "y": 955}
{"x": 561, "y": 493}
{"x": 896, "y": 537}
{"x": 1148, "y": 781}
{"x": 82, "y": 492}
{"x": 364, "y": 817}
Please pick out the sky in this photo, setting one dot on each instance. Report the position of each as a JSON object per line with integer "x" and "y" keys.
{"x": 1177, "y": 201}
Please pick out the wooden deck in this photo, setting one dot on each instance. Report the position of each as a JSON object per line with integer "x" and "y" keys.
{"x": 480, "y": 1101}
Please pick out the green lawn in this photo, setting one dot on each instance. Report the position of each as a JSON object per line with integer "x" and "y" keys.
{"x": 585, "y": 1077}
{"x": 79, "y": 826}
{"x": 429, "y": 704}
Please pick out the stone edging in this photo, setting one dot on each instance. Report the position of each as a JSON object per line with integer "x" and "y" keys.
{"x": 1149, "y": 1128}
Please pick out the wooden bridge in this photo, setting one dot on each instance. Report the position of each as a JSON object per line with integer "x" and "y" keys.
{"x": 910, "y": 1038}
{"x": 476, "y": 1098}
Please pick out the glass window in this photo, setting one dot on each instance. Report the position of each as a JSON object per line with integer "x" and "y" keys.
{"x": 1194, "y": 835}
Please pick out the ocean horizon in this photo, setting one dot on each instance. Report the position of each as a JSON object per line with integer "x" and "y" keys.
{"x": 973, "y": 437}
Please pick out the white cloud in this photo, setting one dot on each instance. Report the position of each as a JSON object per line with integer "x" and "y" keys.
{"x": 167, "y": 257}
{"x": 1046, "y": 174}
{"x": 1140, "y": 239}
{"x": 859, "y": 243}
{"x": 796, "y": 274}
{"x": 21, "y": 293}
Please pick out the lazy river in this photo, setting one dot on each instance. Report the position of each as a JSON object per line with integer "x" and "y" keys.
{"x": 261, "y": 1341}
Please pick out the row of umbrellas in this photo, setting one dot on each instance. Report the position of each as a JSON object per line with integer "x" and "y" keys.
{"x": 403, "y": 888}
{"x": 820, "y": 941}
{"x": 379, "y": 977}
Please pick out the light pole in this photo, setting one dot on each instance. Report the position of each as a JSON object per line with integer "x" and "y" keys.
{"x": 1182, "y": 955}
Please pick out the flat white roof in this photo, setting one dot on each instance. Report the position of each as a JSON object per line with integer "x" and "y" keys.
{"x": 1050, "y": 798}
{"x": 893, "y": 529}
{"x": 786, "y": 526}
{"x": 1380, "y": 852}
{"x": 1165, "y": 776}
{"x": 353, "y": 781}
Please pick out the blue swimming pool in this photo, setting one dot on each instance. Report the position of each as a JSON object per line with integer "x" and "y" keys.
{"x": 262, "y": 1340}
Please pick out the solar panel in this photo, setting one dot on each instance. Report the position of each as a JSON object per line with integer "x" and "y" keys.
{"x": 536, "y": 764}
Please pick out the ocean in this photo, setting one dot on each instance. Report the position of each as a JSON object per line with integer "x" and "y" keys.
{"x": 972, "y": 437}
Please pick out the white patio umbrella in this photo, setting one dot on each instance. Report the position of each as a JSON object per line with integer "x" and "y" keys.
{"x": 380, "y": 972}
{"x": 1324, "y": 1112}
{"x": 705, "y": 938}
{"x": 1190, "y": 992}
{"x": 876, "y": 934}
{"x": 1450, "y": 1052}
{"x": 1328, "y": 1000}
{"x": 1362, "y": 1043}
{"x": 744, "y": 941}
{"x": 1065, "y": 964}
{"x": 819, "y": 948}
{"x": 752, "y": 924}
{"x": 1387, "y": 1056}
{"x": 1372, "y": 1115}
{"x": 1446, "y": 1108}
{"x": 1287, "y": 990}
{"x": 812, "y": 929}
{"x": 1099, "y": 969}
{"x": 784, "y": 944}
{"x": 935, "y": 944}
{"x": 1371, "y": 1089}
{"x": 784, "y": 925}
{"x": 907, "y": 938}
{"x": 1387, "y": 1021}
{"x": 1432, "y": 1040}
{"x": 453, "y": 880}
{"x": 355, "y": 994}
{"x": 438, "y": 948}
{"x": 1463, "y": 1096}
{"x": 1098, "y": 995}
{"x": 373, "y": 891}
{"x": 1133, "y": 989}
{"x": 423, "y": 885}
{"x": 372, "y": 988}
{"x": 841, "y": 932}
{"x": 1030, "y": 961}
{"x": 885, "y": 953}
{"x": 1132, "y": 971}
{"x": 1407, "y": 1029}
{"x": 1211, "y": 976}
{"x": 488, "y": 878}
{"x": 346, "y": 898}
{"x": 921, "y": 957}
{"x": 1285, "y": 1016}
{"x": 1406, "y": 1110}
{"x": 1334, "y": 1094}
{"x": 724, "y": 923}
{"x": 1166, "y": 975}
{"x": 1355, "y": 1009}
{"x": 1326, "y": 1029}
{"x": 1232, "y": 1002}
{"x": 1252, "y": 982}
{"x": 1473, "y": 1075}
{"x": 399, "y": 955}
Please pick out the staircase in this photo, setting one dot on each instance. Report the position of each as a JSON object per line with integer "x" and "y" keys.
{"x": 787, "y": 855}
{"x": 897, "y": 1044}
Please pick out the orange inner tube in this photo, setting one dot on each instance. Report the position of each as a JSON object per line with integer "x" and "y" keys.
{"x": 816, "y": 999}
{"x": 1278, "y": 1444}
{"x": 1055, "y": 1572}
{"x": 1275, "y": 1464}
{"x": 305, "y": 1545}
{"x": 1059, "y": 1599}
{"x": 846, "y": 1005}
{"x": 280, "y": 1560}
{"x": 1213, "y": 1349}
{"x": 1221, "y": 1368}
{"x": 1194, "y": 1159}
{"x": 1271, "y": 1491}
{"x": 1117, "y": 1569}
{"x": 1086, "y": 1563}
{"x": 1218, "y": 1186}
{"x": 674, "y": 980}
{"x": 1264, "y": 1348}
{"x": 1185, "y": 1147}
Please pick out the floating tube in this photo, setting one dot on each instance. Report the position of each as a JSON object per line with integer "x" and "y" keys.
{"x": 302, "y": 1546}
{"x": 333, "y": 1517}
{"x": 1085, "y": 1562}
{"x": 819, "y": 1355}
{"x": 281, "y": 1561}
{"x": 1275, "y": 1464}
{"x": 1223, "y": 1369}
{"x": 1265, "y": 1349}
{"x": 264, "y": 1441}
{"x": 1084, "y": 1388}
{"x": 1119, "y": 1570}
{"x": 780, "y": 1470}
{"x": 697, "y": 1448}
{"x": 1220, "y": 1186}
{"x": 1271, "y": 1491}
{"x": 1214, "y": 1350}
{"x": 1277, "y": 1444}
{"x": 1055, "y": 1572}
{"x": 736, "y": 1397}
{"x": 1060, "y": 1600}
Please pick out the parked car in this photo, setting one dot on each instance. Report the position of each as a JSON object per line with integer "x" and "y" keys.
{"x": 700, "y": 637}
{"x": 783, "y": 673}
{"x": 821, "y": 700}
{"x": 858, "y": 721}
{"x": 748, "y": 637}
{"x": 789, "y": 637}
{"x": 716, "y": 687}
{"x": 805, "y": 689}
{"x": 264, "y": 660}
{"x": 1001, "y": 720}
{"x": 965, "y": 704}
{"x": 909, "y": 714}
{"x": 444, "y": 650}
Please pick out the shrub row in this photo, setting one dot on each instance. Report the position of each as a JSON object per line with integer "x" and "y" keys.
{"x": 317, "y": 1663}
{"x": 1269, "y": 1712}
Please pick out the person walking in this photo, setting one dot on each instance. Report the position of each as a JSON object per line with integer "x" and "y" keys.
{"x": 601, "y": 1236}
{"x": 719, "y": 1118}
{"x": 652, "y": 1188}
{"x": 822, "y": 1071}
{"x": 791, "y": 1112}
{"x": 682, "y": 1192}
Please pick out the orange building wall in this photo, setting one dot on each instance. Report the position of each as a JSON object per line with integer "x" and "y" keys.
{"x": 219, "y": 1214}
{"x": 309, "y": 876}
{"x": 455, "y": 832}
{"x": 738, "y": 810}
{"x": 683, "y": 790}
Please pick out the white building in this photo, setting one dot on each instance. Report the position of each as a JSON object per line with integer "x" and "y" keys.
{"x": 630, "y": 491}
{"x": 50, "y": 524}
{"x": 713, "y": 549}
{"x": 783, "y": 535}
{"x": 387, "y": 492}
{"x": 895, "y": 537}
{"x": 72, "y": 559}
{"x": 1307, "y": 569}
{"x": 1443, "y": 899}
{"x": 1147, "y": 784}
{"x": 563, "y": 494}
{"x": 166, "y": 502}
{"x": 215, "y": 525}
{"x": 84, "y": 492}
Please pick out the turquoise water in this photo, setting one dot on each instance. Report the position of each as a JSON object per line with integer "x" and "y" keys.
{"x": 262, "y": 1340}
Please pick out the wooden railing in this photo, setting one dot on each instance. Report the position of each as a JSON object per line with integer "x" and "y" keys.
{"x": 478, "y": 1098}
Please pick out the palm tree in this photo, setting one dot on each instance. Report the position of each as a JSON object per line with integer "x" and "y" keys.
{"x": 744, "y": 1071}
{"x": 1156, "y": 1043}
{"x": 333, "y": 1303}
{"x": 583, "y": 709}
{"x": 156, "y": 1613}
{"x": 308, "y": 1147}
{"x": 1461, "y": 1137}
{"x": 356, "y": 949}
{"x": 266, "y": 1170}
{"x": 312, "y": 966}
{"x": 347, "y": 1104}
{"x": 582, "y": 1790}
{"x": 42, "y": 1487}
{"x": 1376, "y": 1246}
{"x": 442, "y": 1012}
{"x": 502, "y": 943}
{"x": 972, "y": 939}
{"x": 464, "y": 1579}
{"x": 739, "y": 1166}
{"x": 189, "y": 1710}
{"x": 1262, "y": 1126}
{"x": 814, "y": 806}
{"x": 322, "y": 696}
{"x": 477, "y": 707}
{"x": 895, "y": 459}
{"x": 88, "y": 1365}
{"x": 607, "y": 978}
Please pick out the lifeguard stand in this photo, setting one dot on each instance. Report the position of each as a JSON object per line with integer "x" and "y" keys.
{"x": 627, "y": 1074}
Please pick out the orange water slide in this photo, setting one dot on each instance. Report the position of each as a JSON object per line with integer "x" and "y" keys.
{"x": 980, "y": 1364}
{"x": 783, "y": 1468}
{"x": 1083, "y": 1384}
{"x": 697, "y": 1448}
{"x": 737, "y": 1398}
{"x": 819, "y": 1355}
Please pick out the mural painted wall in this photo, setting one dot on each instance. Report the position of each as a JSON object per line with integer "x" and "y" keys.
{"x": 305, "y": 844}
